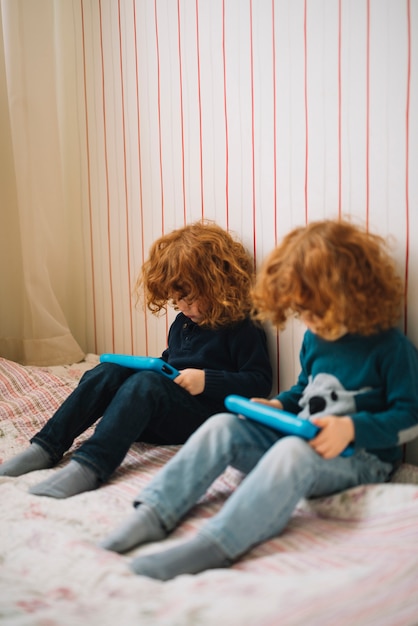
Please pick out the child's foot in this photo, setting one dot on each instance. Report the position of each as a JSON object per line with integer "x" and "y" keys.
{"x": 191, "y": 557}
{"x": 143, "y": 526}
{"x": 69, "y": 481}
{"x": 31, "y": 459}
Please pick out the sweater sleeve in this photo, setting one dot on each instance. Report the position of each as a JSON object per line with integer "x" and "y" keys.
{"x": 398, "y": 423}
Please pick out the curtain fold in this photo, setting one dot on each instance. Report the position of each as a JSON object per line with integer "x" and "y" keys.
{"x": 35, "y": 240}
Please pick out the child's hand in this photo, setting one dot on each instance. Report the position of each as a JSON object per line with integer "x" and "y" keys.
{"x": 335, "y": 435}
{"x": 192, "y": 380}
{"x": 276, "y": 404}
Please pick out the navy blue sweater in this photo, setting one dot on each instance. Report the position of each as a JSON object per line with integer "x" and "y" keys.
{"x": 235, "y": 358}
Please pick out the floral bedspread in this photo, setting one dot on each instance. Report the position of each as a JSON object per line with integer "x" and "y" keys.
{"x": 350, "y": 559}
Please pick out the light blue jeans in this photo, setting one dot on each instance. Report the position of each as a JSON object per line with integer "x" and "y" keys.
{"x": 279, "y": 472}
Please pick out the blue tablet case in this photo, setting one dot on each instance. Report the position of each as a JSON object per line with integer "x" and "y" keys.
{"x": 285, "y": 422}
{"x": 141, "y": 363}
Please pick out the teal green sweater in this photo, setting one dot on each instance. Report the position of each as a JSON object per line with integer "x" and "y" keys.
{"x": 372, "y": 379}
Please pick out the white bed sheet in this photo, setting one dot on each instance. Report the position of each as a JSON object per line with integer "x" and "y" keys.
{"x": 350, "y": 559}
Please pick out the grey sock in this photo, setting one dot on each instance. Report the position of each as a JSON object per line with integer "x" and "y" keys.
{"x": 31, "y": 459}
{"x": 191, "y": 557}
{"x": 70, "y": 480}
{"x": 143, "y": 526}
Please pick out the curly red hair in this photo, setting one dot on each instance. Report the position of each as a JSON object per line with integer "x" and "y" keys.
{"x": 201, "y": 261}
{"x": 334, "y": 270}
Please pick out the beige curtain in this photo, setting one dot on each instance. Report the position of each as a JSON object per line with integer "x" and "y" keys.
{"x": 40, "y": 227}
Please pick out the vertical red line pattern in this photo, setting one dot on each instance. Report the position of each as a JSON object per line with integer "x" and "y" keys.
{"x": 141, "y": 208}
{"x": 407, "y": 112}
{"x": 305, "y": 44}
{"x": 273, "y": 34}
{"x": 107, "y": 179}
{"x": 367, "y": 112}
{"x": 181, "y": 112}
{"x": 253, "y": 130}
{"x": 125, "y": 180}
{"x": 157, "y": 44}
{"x": 226, "y": 120}
{"x": 200, "y": 107}
{"x": 83, "y": 43}
{"x": 339, "y": 112}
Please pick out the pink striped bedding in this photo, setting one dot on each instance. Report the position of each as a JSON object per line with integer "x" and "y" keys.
{"x": 350, "y": 559}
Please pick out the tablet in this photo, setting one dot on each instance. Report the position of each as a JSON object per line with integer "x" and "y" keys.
{"x": 285, "y": 422}
{"x": 141, "y": 363}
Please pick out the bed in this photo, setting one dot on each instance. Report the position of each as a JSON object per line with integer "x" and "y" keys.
{"x": 350, "y": 559}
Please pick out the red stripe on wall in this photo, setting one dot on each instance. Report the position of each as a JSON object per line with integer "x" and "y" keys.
{"x": 83, "y": 43}
{"x": 252, "y": 131}
{"x": 141, "y": 209}
{"x": 408, "y": 102}
{"x": 305, "y": 44}
{"x": 367, "y": 111}
{"x": 226, "y": 120}
{"x": 157, "y": 45}
{"x": 273, "y": 35}
{"x": 107, "y": 181}
{"x": 273, "y": 16}
{"x": 200, "y": 107}
{"x": 181, "y": 112}
{"x": 125, "y": 182}
{"x": 339, "y": 111}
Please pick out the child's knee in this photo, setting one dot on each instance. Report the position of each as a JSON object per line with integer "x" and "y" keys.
{"x": 220, "y": 427}
{"x": 293, "y": 454}
{"x": 295, "y": 447}
{"x": 142, "y": 383}
{"x": 223, "y": 422}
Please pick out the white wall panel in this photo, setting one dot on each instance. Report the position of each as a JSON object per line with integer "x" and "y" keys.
{"x": 261, "y": 115}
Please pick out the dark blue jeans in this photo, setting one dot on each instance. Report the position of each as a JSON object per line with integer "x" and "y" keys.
{"x": 133, "y": 405}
